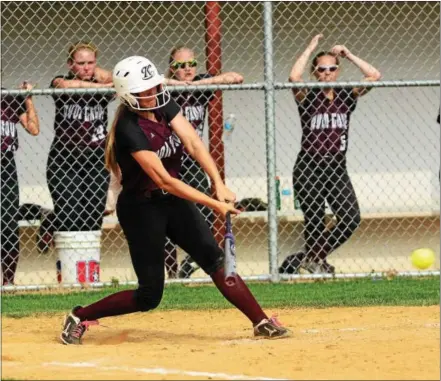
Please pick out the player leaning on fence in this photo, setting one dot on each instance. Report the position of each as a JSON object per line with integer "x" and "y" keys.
{"x": 320, "y": 174}
{"x": 182, "y": 70}
{"x": 14, "y": 109}
{"x": 146, "y": 143}
{"x": 76, "y": 176}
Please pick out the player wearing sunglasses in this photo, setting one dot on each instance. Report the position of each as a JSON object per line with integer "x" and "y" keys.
{"x": 182, "y": 70}
{"x": 320, "y": 174}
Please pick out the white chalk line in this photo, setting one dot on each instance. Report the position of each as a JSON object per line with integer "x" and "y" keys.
{"x": 224, "y": 376}
{"x": 160, "y": 371}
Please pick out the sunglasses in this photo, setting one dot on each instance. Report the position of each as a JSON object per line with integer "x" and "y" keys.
{"x": 182, "y": 64}
{"x": 331, "y": 68}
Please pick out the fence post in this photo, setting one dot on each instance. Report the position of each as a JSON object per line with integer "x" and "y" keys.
{"x": 213, "y": 52}
{"x": 270, "y": 138}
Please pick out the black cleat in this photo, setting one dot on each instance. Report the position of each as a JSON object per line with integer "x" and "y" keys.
{"x": 292, "y": 263}
{"x": 270, "y": 329}
{"x": 327, "y": 267}
{"x": 74, "y": 328}
{"x": 188, "y": 267}
{"x": 311, "y": 266}
{"x": 314, "y": 267}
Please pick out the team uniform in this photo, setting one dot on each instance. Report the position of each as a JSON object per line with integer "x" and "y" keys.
{"x": 193, "y": 106}
{"x": 11, "y": 109}
{"x": 145, "y": 213}
{"x": 77, "y": 179}
{"x": 320, "y": 174}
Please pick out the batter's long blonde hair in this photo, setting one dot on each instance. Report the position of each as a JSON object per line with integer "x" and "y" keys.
{"x": 110, "y": 155}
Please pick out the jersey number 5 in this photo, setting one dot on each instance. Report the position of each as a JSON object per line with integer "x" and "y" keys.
{"x": 343, "y": 142}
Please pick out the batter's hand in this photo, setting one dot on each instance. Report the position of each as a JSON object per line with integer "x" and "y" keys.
{"x": 224, "y": 194}
{"x": 223, "y": 208}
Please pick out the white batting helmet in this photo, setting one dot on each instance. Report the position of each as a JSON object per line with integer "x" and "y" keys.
{"x": 135, "y": 74}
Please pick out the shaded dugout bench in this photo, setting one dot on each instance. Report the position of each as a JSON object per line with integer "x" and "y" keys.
{"x": 400, "y": 212}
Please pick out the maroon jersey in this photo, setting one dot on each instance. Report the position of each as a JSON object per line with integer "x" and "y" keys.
{"x": 194, "y": 105}
{"x": 325, "y": 123}
{"x": 11, "y": 108}
{"x": 80, "y": 120}
{"x": 134, "y": 133}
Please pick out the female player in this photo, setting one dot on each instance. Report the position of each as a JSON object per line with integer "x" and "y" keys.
{"x": 320, "y": 174}
{"x": 146, "y": 143}
{"x": 13, "y": 110}
{"x": 77, "y": 179}
{"x": 182, "y": 70}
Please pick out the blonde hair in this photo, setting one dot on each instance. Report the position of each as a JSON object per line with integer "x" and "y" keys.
{"x": 169, "y": 73}
{"x": 110, "y": 155}
{"x": 78, "y": 46}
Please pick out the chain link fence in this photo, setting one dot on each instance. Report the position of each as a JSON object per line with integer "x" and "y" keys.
{"x": 393, "y": 141}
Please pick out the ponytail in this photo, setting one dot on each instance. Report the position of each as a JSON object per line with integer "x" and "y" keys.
{"x": 110, "y": 155}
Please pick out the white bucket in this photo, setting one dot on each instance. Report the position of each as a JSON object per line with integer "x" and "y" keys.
{"x": 79, "y": 256}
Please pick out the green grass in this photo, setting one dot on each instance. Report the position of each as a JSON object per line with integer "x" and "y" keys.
{"x": 357, "y": 293}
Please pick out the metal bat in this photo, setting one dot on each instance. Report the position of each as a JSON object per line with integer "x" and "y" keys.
{"x": 230, "y": 253}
